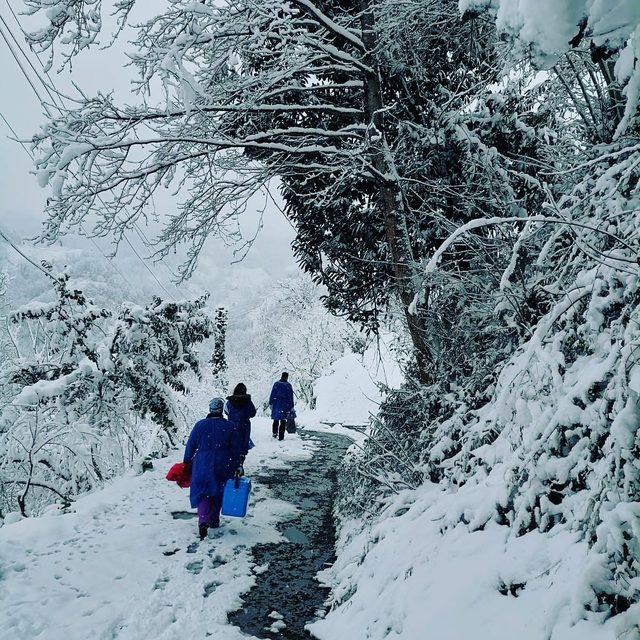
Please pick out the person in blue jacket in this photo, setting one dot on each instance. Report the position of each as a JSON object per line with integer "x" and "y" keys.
{"x": 281, "y": 403}
{"x": 213, "y": 450}
{"x": 239, "y": 410}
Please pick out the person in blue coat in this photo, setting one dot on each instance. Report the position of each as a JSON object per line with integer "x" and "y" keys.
{"x": 239, "y": 410}
{"x": 213, "y": 450}
{"x": 281, "y": 403}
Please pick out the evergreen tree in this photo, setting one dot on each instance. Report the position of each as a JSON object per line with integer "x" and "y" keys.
{"x": 219, "y": 356}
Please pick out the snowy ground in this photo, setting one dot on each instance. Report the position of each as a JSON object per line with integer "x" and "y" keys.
{"x": 401, "y": 578}
{"x": 120, "y": 566}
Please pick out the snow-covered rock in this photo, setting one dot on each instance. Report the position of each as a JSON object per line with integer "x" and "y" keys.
{"x": 12, "y": 517}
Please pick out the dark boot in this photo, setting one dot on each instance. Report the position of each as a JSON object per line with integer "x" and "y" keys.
{"x": 202, "y": 531}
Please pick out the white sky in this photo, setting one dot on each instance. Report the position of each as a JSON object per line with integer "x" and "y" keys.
{"x": 22, "y": 200}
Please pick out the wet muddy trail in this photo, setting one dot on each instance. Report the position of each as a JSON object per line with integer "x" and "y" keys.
{"x": 289, "y": 586}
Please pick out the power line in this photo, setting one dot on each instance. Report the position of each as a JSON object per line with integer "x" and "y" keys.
{"x": 146, "y": 266}
{"x": 28, "y": 59}
{"x": 28, "y": 152}
{"x": 140, "y": 232}
{"x": 145, "y": 241}
{"x": 15, "y": 135}
{"x": 24, "y": 255}
{"x": 19, "y": 63}
{"x": 38, "y": 96}
{"x": 95, "y": 244}
{"x": 142, "y": 235}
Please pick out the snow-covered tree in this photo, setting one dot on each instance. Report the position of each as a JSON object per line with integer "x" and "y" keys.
{"x": 219, "y": 356}
{"x": 89, "y": 390}
{"x": 344, "y": 104}
{"x": 540, "y": 409}
{"x": 290, "y": 331}
{"x": 4, "y": 337}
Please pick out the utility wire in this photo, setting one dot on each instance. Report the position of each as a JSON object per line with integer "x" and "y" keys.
{"x": 140, "y": 232}
{"x": 146, "y": 266}
{"x": 19, "y": 63}
{"x": 42, "y": 65}
{"x": 45, "y": 107}
{"x": 95, "y": 244}
{"x": 28, "y": 152}
{"x": 15, "y": 135}
{"x": 28, "y": 59}
{"x": 24, "y": 255}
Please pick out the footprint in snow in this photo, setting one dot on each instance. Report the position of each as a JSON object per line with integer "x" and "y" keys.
{"x": 161, "y": 583}
{"x": 194, "y": 567}
{"x": 217, "y": 561}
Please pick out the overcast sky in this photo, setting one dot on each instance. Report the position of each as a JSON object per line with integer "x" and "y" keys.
{"x": 22, "y": 200}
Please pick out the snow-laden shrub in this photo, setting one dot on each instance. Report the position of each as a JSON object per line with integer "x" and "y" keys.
{"x": 549, "y": 437}
{"x": 553, "y": 440}
{"x": 560, "y": 436}
{"x": 88, "y": 390}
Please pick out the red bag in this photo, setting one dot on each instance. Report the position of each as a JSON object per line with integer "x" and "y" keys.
{"x": 180, "y": 473}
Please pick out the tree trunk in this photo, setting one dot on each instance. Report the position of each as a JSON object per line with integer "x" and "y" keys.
{"x": 396, "y": 231}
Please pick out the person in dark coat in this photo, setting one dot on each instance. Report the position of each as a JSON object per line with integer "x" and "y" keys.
{"x": 281, "y": 403}
{"x": 213, "y": 450}
{"x": 240, "y": 409}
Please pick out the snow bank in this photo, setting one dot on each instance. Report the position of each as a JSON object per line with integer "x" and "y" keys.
{"x": 402, "y": 578}
{"x": 351, "y": 392}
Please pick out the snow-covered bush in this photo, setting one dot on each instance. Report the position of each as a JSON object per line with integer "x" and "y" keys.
{"x": 88, "y": 390}
{"x": 290, "y": 331}
{"x": 219, "y": 356}
{"x": 533, "y": 416}
{"x": 560, "y": 434}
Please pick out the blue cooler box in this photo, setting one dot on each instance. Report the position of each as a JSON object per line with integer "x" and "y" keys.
{"x": 236, "y": 497}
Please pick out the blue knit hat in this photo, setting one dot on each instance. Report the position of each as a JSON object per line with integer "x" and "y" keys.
{"x": 216, "y": 405}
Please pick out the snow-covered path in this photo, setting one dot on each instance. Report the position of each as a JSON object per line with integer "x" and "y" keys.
{"x": 120, "y": 565}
